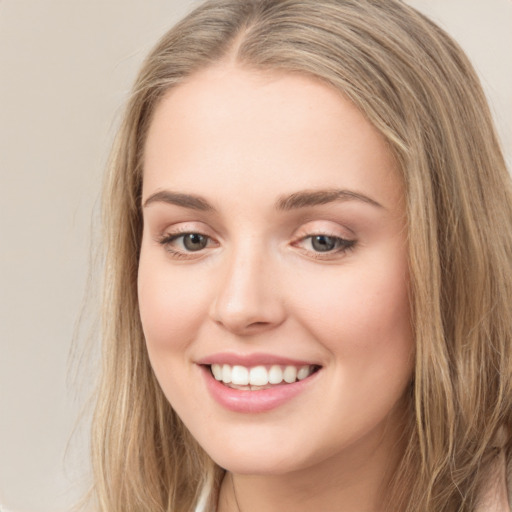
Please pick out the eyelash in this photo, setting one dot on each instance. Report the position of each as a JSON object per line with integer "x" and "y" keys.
{"x": 343, "y": 245}
{"x": 167, "y": 239}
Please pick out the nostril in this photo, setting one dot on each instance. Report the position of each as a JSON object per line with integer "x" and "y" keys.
{"x": 257, "y": 324}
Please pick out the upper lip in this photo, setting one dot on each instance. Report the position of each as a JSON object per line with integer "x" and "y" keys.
{"x": 250, "y": 360}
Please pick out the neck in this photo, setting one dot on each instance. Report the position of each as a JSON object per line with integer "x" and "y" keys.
{"x": 353, "y": 481}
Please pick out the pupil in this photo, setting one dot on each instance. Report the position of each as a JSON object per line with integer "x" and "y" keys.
{"x": 194, "y": 242}
{"x": 322, "y": 243}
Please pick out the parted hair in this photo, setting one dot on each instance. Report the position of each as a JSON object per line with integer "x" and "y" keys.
{"x": 416, "y": 86}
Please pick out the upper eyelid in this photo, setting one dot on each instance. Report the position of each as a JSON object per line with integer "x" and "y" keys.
{"x": 302, "y": 223}
{"x": 307, "y": 228}
{"x": 185, "y": 227}
{"x": 340, "y": 231}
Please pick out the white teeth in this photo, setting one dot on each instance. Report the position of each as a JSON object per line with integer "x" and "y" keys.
{"x": 217, "y": 371}
{"x": 258, "y": 376}
{"x": 226, "y": 373}
{"x": 241, "y": 376}
{"x": 304, "y": 371}
{"x": 275, "y": 375}
{"x": 290, "y": 374}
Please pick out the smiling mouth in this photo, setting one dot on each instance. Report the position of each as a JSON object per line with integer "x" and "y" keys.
{"x": 260, "y": 377}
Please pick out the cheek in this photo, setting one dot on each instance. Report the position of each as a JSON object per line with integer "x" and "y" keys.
{"x": 364, "y": 323}
{"x": 362, "y": 313}
{"x": 171, "y": 310}
{"x": 171, "y": 306}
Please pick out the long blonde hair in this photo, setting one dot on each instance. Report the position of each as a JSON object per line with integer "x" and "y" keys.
{"x": 415, "y": 85}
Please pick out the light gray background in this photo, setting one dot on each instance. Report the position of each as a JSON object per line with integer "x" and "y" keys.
{"x": 65, "y": 70}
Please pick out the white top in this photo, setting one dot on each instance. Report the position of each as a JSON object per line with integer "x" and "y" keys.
{"x": 202, "y": 502}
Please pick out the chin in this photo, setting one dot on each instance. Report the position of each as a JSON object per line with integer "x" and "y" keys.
{"x": 259, "y": 464}
{"x": 264, "y": 456}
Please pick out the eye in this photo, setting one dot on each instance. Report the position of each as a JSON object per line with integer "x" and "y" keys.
{"x": 323, "y": 244}
{"x": 193, "y": 241}
{"x": 182, "y": 244}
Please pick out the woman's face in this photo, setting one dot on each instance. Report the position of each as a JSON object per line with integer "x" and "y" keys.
{"x": 274, "y": 256}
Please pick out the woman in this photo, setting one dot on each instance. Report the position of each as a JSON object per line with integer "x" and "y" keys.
{"x": 308, "y": 272}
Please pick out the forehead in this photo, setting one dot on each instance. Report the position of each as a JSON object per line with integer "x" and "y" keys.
{"x": 230, "y": 127}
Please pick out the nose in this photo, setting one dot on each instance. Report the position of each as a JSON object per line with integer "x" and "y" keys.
{"x": 248, "y": 297}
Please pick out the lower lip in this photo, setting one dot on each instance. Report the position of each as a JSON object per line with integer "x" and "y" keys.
{"x": 261, "y": 400}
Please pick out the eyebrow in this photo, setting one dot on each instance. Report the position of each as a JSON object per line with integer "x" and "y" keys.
{"x": 185, "y": 200}
{"x": 300, "y": 199}
{"x": 305, "y": 198}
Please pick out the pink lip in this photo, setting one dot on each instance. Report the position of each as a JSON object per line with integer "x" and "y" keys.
{"x": 250, "y": 360}
{"x": 259, "y": 401}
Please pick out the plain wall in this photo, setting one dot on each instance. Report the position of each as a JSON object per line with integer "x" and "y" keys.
{"x": 65, "y": 70}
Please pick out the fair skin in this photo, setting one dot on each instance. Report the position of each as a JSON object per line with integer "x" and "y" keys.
{"x": 274, "y": 235}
